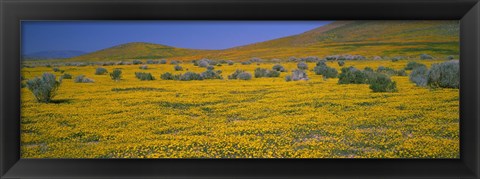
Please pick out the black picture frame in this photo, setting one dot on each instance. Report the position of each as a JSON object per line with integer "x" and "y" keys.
{"x": 14, "y": 11}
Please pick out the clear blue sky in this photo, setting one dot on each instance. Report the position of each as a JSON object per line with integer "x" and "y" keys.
{"x": 90, "y": 36}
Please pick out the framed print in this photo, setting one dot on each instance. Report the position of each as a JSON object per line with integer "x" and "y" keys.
{"x": 240, "y": 89}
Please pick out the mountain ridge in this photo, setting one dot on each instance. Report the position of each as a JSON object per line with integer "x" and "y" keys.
{"x": 368, "y": 38}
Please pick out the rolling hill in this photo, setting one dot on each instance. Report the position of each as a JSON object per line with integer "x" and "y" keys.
{"x": 368, "y": 38}
{"x": 137, "y": 50}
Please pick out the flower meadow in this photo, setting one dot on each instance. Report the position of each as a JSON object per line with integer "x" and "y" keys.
{"x": 131, "y": 114}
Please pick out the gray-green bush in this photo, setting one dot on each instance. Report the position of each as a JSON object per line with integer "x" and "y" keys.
{"x": 244, "y": 76}
{"x": 44, "y": 88}
{"x": 153, "y": 61}
{"x": 262, "y": 72}
{"x": 163, "y": 61}
{"x": 425, "y": 57}
{"x": 66, "y": 76}
{"x": 381, "y": 83}
{"x": 297, "y": 75}
{"x": 302, "y": 66}
{"x": 278, "y": 67}
{"x": 246, "y": 63}
{"x": 178, "y": 68}
{"x": 351, "y": 75}
{"x": 210, "y": 67}
{"x": 144, "y": 76}
{"x": 413, "y": 65}
{"x": 83, "y": 79}
{"x": 116, "y": 74}
{"x": 341, "y": 63}
{"x": 419, "y": 76}
{"x": 324, "y": 70}
{"x": 188, "y": 76}
{"x": 167, "y": 76}
{"x": 100, "y": 71}
{"x": 211, "y": 74}
{"x": 240, "y": 74}
{"x": 391, "y": 71}
{"x": 137, "y": 62}
{"x": 444, "y": 75}
{"x": 235, "y": 74}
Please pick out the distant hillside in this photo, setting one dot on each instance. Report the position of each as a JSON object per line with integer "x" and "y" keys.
{"x": 137, "y": 50}
{"x": 368, "y": 38}
{"x": 45, "y": 55}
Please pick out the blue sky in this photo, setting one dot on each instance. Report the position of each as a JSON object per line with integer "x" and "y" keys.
{"x": 90, "y": 36}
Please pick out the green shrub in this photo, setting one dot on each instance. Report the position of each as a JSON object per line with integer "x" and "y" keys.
{"x": 137, "y": 62}
{"x": 178, "y": 68}
{"x": 425, "y": 57}
{"x": 210, "y": 74}
{"x": 83, "y": 79}
{"x": 230, "y": 62}
{"x": 188, "y": 76}
{"x": 288, "y": 78}
{"x": 240, "y": 74}
{"x": 116, "y": 74}
{"x": 278, "y": 67}
{"x": 341, "y": 63}
{"x": 444, "y": 75}
{"x": 260, "y": 72}
{"x": 382, "y": 83}
{"x": 153, "y": 62}
{"x": 56, "y": 69}
{"x": 302, "y": 66}
{"x": 246, "y": 63}
{"x": 210, "y": 67}
{"x": 419, "y": 76}
{"x": 351, "y": 75}
{"x": 391, "y": 71}
{"x": 244, "y": 76}
{"x": 324, "y": 70}
{"x": 310, "y": 59}
{"x": 174, "y": 62}
{"x": 66, "y": 76}
{"x": 401, "y": 72}
{"x": 44, "y": 88}
{"x": 163, "y": 61}
{"x": 235, "y": 74}
{"x": 101, "y": 71}
{"x": 144, "y": 76}
{"x": 368, "y": 69}
{"x": 386, "y": 70}
{"x": 167, "y": 76}
{"x": 272, "y": 73}
{"x": 413, "y": 65}
{"x": 450, "y": 57}
{"x": 203, "y": 63}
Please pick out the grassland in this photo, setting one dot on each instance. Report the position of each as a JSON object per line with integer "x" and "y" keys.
{"x": 259, "y": 118}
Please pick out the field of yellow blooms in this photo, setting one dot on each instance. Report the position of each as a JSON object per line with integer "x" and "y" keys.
{"x": 258, "y": 118}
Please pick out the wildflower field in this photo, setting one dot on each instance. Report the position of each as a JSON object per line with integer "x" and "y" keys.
{"x": 231, "y": 118}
